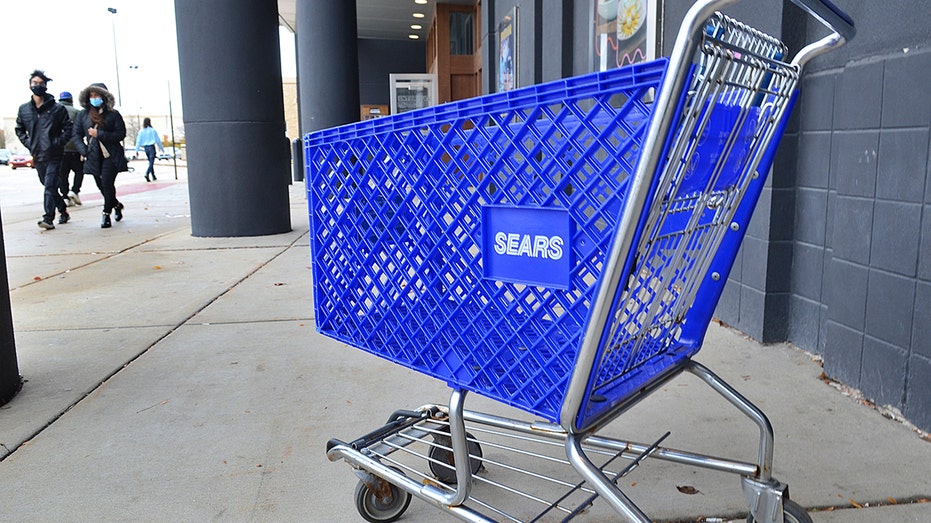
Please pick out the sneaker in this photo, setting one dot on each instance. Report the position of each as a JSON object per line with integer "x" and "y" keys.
{"x": 68, "y": 202}
{"x": 64, "y": 218}
{"x": 46, "y": 225}
{"x": 75, "y": 199}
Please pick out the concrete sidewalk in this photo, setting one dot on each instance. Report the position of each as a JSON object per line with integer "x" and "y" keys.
{"x": 174, "y": 378}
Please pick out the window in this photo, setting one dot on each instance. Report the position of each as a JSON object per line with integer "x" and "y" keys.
{"x": 460, "y": 33}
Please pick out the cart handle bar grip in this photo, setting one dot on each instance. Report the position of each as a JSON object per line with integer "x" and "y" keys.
{"x": 830, "y": 15}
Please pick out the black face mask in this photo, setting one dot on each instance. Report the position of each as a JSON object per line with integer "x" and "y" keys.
{"x": 38, "y": 90}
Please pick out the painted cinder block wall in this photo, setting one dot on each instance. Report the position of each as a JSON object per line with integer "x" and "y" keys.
{"x": 837, "y": 259}
{"x": 864, "y": 210}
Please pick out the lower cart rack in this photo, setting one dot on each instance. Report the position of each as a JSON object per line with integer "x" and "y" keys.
{"x": 518, "y": 470}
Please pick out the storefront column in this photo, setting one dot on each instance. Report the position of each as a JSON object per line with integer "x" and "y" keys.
{"x": 238, "y": 153}
{"x": 328, "y": 63}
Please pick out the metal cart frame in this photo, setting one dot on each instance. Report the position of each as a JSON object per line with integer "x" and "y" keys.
{"x": 661, "y": 175}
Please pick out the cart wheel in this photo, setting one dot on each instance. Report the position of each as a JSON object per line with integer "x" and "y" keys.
{"x": 792, "y": 513}
{"x": 448, "y": 474}
{"x": 377, "y": 511}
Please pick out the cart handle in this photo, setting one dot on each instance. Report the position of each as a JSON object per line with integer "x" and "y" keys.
{"x": 834, "y": 19}
{"x": 830, "y": 15}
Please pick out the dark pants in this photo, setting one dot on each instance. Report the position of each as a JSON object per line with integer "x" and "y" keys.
{"x": 150, "y": 154}
{"x": 71, "y": 162}
{"x": 49, "y": 175}
{"x": 108, "y": 186}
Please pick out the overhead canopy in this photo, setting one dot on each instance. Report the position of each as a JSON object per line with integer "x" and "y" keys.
{"x": 380, "y": 19}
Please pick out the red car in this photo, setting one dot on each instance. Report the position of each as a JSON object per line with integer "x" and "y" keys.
{"x": 21, "y": 160}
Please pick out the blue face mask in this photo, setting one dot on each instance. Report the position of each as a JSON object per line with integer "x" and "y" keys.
{"x": 96, "y": 102}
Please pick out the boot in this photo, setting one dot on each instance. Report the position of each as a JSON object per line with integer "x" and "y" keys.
{"x": 105, "y": 222}
{"x": 118, "y": 211}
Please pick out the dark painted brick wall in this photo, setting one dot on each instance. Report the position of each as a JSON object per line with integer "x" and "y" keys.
{"x": 876, "y": 244}
{"x": 838, "y": 256}
{"x": 851, "y": 279}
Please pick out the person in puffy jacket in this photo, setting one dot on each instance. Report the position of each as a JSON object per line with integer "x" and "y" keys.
{"x": 44, "y": 127}
{"x": 99, "y": 130}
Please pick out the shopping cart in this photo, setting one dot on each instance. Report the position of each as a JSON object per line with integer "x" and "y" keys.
{"x": 560, "y": 249}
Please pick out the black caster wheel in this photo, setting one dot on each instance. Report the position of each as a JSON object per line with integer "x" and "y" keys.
{"x": 383, "y": 510}
{"x": 440, "y": 456}
{"x": 792, "y": 512}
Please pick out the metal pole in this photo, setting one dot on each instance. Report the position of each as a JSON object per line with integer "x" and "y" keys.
{"x": 116, "y": 62}
{"x": 10, "y": 380}
{"x": 138, "y": 107}
{"x": 171, "y": 120}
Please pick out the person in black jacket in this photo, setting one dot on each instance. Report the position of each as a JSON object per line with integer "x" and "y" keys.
{"x": 44, "y": 127}
{"x": 99, "y": 131}
{"x": 71, "y": 160}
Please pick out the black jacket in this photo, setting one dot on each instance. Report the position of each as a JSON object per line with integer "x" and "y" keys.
{"x": 111, "y": 134}
{"x": 44, "y": 130}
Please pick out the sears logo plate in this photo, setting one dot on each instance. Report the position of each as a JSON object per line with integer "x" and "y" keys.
{"x": 529, "y": 245}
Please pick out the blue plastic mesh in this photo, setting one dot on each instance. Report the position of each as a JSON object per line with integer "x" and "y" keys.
{"x": 395, "y": 210}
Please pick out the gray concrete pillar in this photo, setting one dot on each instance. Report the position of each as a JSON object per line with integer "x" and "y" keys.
{"x": 238, "y": 152}
{"x": 328, "y": 63}
{"x": 10, "y": 381}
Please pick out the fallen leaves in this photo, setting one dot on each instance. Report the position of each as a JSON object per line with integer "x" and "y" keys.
{"x": 687, "y": 489}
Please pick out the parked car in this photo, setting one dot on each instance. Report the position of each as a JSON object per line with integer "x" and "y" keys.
{"x": 5, "y": 156}
{"x": 21, "y": 160}
{"x": 169, "y": 153}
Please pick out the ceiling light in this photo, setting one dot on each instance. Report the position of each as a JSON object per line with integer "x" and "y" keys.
{"x": 421, "y": 2}
{"x": 416, "y": 27}
{"x": 414, "y": 37}
{"x": 418, "y": 15}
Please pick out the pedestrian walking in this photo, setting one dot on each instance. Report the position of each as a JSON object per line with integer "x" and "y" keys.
{"x": 147, "y": 139}
{"x": 71, "y": 160}
{"x": 99, "y": 130}
{"x": 43, "y": 126}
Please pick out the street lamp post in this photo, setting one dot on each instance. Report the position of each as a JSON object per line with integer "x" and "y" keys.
{"x": 171, "y": 119}
{"x": 134, "y": 87}
{"x": 116, "y": 62}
